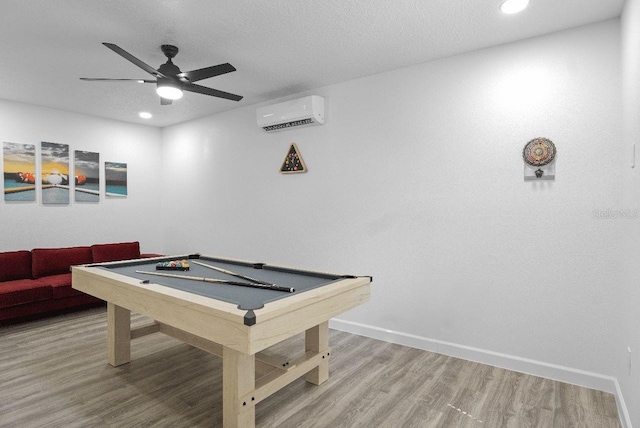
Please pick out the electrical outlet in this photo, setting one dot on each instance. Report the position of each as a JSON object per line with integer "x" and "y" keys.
{"x": 629, "y": 349}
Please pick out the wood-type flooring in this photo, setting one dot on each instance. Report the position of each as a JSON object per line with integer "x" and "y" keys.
{"x": 53, "y": 373}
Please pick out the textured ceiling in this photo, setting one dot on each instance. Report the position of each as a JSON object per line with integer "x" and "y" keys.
{"x": 279, "y": 47}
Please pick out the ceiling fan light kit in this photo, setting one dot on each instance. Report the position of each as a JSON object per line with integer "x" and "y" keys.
{"x": 168, "y": 90}
{"x": 170, "y": 81}
{"x": 514, "y": 6}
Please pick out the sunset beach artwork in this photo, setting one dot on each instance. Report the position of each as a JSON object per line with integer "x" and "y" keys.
{"x": 54, "y": 159}
{"x": 19, "y": 169}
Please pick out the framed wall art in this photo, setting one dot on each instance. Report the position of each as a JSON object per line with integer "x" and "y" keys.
{"x": 54, "y": 161}
{"x": 115, "y": 174}
{"x": 87, "y": 176}
{"x": 19, "y": 172}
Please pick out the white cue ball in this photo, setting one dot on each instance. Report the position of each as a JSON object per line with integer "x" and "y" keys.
{"x": 54, "y": 179}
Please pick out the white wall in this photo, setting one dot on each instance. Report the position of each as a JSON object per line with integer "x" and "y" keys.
{"x": 417, "y": 179}
{"x": 628, "y": 367}
{"x": 26, "y": 225}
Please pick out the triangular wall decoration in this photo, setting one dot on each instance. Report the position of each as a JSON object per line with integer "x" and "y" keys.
{"x": 293, "y": 162}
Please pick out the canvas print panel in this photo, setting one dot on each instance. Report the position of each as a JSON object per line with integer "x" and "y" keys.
{"x": 19, "y": 171}
{"x": 87, "y": 176}
{"x": 115, "y": 174}
{"x": 55, "y": 173}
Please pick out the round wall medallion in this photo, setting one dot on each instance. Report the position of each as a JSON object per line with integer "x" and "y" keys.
{"x": 539, "y": 152}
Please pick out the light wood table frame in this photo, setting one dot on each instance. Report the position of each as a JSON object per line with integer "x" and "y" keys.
{"x": 218, "y": 327}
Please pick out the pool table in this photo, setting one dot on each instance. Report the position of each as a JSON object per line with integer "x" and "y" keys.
{"x": 215, "y": 312}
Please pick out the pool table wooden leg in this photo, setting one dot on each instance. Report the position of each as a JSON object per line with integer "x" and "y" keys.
{"x": 317, "y": 340}
{"x": 118, "y": 334}
{"x": 238, "y": 379}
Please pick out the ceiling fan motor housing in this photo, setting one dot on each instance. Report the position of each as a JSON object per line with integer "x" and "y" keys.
{"x": 169, "y": 51}
{"x": 169, "y": 69}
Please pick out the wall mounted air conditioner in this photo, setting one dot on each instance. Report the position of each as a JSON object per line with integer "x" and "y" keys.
{"x": 307, "y": 111}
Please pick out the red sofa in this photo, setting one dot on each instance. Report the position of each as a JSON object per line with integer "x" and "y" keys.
{"x": 39, "y": 281}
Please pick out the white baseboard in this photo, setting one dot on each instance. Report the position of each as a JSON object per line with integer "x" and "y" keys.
{"x": 625, "y": 418}
{"x": 523, "y": 365}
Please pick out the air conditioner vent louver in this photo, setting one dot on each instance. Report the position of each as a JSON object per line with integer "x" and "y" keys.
{"x": 303, "y": 112}
{"x": 283, "y": 126}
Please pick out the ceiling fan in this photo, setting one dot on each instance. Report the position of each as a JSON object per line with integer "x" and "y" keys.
{"x": 170, "y": 81}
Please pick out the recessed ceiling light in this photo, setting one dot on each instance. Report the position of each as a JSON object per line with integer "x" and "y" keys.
{"x": 514, "y": 6}
{"x": 145, "y": 115}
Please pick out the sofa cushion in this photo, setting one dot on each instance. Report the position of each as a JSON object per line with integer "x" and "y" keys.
{"x": 23, "y": 291}
{"x": 15, "y": 265}
{"x": 61, "y": 285}
{"x": 112, "y": 252}
{"x": 60, "y": 280}
{"x": 54, "y": 261}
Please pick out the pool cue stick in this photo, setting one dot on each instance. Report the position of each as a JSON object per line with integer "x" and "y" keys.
{"x": 228, "y": 272}
{"x": 220, "y": 281}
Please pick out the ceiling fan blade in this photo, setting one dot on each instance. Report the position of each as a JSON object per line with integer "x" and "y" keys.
{"x": 192, "y": 87}
{"x": 100, "y": 79}
{"x": 205, "y": 73}
{"x": 165, "y": 101}
{"x": 126, "y": 55}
